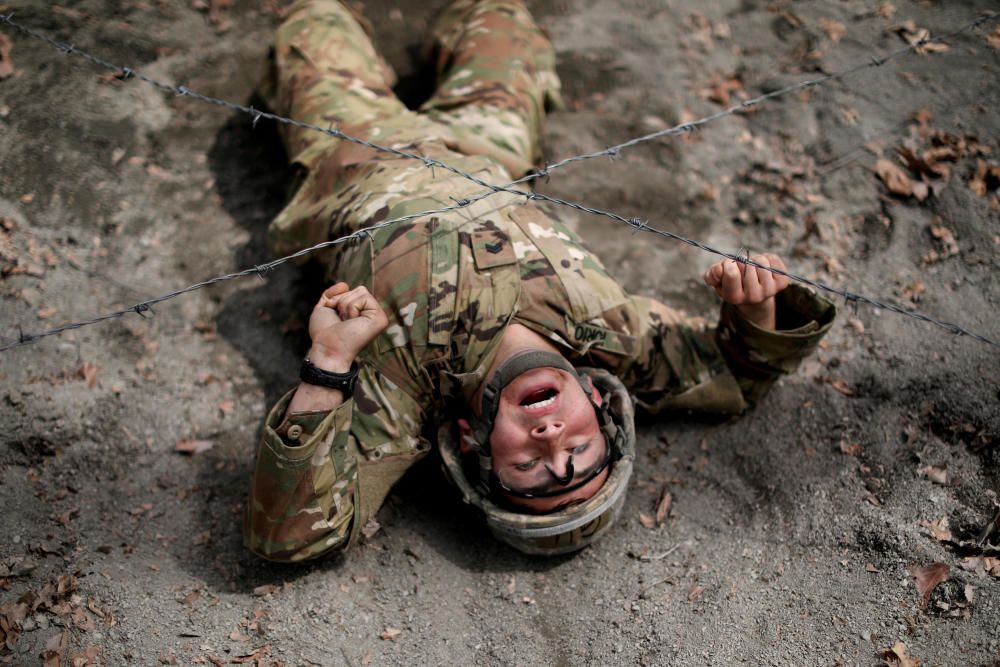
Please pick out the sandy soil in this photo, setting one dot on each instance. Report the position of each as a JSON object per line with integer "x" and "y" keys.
{"x": 793, "y": 531}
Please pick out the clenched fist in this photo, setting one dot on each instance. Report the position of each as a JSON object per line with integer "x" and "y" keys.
{"x": 343, "y": 322}
{"x": 749, "y": 288}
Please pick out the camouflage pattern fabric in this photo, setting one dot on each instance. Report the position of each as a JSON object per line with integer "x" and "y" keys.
{"x": 452, "y": 284}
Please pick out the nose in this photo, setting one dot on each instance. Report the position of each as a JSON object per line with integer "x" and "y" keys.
{"x": 548, "y": 430}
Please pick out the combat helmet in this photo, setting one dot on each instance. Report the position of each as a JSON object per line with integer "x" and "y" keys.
{"x": 571, "y": 528}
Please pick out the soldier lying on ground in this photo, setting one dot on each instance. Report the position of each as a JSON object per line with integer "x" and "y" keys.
{"x": 491, "y": 324}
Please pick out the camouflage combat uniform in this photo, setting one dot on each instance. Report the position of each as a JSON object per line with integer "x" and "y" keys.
{"x": 451, "y": 284}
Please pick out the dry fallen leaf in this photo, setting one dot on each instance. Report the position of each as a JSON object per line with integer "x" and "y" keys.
{"x": 919, "y": 38}
{"x": 898, "y": 182}
{"x": 694, "y": 592}
{"x": 266, "y": 589}
{"x": 46, "y": 313}
{"x": 226, "y": 406}
{"x": 885, "y": 9}
{"x": 985, "y": 178}
{"x": 850, "y": 448}
{"x": 55, "y": 647}
{"x": 939, "y": 529}
{"x": 842, "y": 387}
{"x": 835, "y": 30}
{"x": 663, "y": 506}
{"x": 237, "y": 637}
{"x": 927, "y": 579}
{"x": 6, "y": 64}
{"x": 993, "y": 39}
{"x": 88, "y": 373}
{"x": 896, "y": 656}
{"x": 253, "y": 657}
{"x": 193, "y": 446}
{"x": 914, "y": 290}
{"x": 936, "y": 474}
{"x": 390, "y": 634}
{"x": 646, "y": 520}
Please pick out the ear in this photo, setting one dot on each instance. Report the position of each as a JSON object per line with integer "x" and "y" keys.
{"x": 466, "y": 441}
{"x": 594, "y": 394}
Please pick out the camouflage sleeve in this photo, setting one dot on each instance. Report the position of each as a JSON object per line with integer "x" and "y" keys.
{"x": 320, "y": 476}
{"x": 684, "y": 363}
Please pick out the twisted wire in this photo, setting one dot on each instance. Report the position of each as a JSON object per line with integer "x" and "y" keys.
{"x": 490, "y": 189}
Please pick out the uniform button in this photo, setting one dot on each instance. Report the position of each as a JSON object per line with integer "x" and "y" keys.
{"x": 294, "y": 432}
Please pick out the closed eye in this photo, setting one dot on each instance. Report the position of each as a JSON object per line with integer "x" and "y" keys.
{"x": 527, "y": 465}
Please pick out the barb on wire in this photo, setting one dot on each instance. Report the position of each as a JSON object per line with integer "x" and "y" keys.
{"x": 259, "y": 270}
{"x": 611, "y": 152}
{"x": 690, "y": 126}
{"x": 491, "y": 189}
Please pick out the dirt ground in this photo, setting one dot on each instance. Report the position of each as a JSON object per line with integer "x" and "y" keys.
{"x": 797, "y": 533}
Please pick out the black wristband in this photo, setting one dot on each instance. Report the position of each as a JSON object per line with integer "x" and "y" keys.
{"x": 345, "y": 382}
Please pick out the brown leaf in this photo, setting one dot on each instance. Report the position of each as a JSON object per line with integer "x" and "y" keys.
{"x": 226, "y": 406}
{"x": 390, "y": 633}
{"x": 46, "y": 313}
{"x": 86, "y": 657}
{"x": 936, "y": 474}
{"x": 663, "y": 506}
{"x": 914, "y": 290}
{"x": 939, "y": 529}
{"x": 850, "y": 448}
{"x": 54, "y": 648}
{"x": 646, "y": 520}
{"x": 694, "y": 592}
{"x": 896, "y": 180}
{"x": 885, "y": 9}
{"x": 88, "y": 373}
{"x": 6, "y": 63}
{"x": 719, "y": 89}
{"x": 835, "y": 30}
{"x": 919, "y": 38}
{"x": 237, "y": 637}
{"x": 266, "y": 589}
{"x": 193, "y": 446}
{"x": 896, "y": 656}
{"x": 251, "y": 657}
{"x": 869, "y": 567}
{"x": 993, "y": 39}
{"x": 927, "y": 579}
{"x": 842, "y": 387}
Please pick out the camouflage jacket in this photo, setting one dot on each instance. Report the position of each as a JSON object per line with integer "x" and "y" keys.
{"x": 450, "y": 286}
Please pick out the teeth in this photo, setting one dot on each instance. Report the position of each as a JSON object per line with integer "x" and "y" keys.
{"x": 541, "y": 404}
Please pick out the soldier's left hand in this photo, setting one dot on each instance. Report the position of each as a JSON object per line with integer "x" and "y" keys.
{"x": 749, "y": 288}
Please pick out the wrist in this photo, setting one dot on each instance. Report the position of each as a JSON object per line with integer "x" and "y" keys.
{"x": 760, "y": 314}
{"x": 329, "y": 360}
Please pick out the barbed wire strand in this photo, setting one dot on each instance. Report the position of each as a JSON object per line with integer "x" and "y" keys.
{"x": 849, "y": 296}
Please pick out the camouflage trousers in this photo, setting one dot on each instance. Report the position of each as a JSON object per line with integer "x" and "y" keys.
{"x": 495, "y": 79}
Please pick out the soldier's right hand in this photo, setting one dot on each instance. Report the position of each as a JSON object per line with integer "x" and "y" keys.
{"x": 342, "y": 323}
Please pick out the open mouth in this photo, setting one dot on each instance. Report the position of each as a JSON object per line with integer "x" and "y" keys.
{"x": 542, "y": 398}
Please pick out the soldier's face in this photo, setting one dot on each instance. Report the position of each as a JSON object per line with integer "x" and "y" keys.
{"x": 544, "y": 418}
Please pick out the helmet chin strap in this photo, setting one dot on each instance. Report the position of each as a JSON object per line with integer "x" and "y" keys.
{"x": 510, "y": 369}
{"x": 565, "y": 478}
